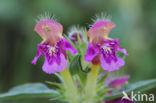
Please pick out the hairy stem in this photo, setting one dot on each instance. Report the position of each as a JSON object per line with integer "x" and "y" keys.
{"x": 71, "y": 93}
{"x": 91, "y": 84}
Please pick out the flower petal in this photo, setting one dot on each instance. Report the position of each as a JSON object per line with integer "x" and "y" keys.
{"x": 119, "y": 48}
{"x": 49, "y": 30}
{"x": 100, "y": 30}
{"x": 112, "y": 65}
{"x": 55, "y": 66}
{"x": 116, "y": 83}
{"x": 68, "y": 46}
{"x": 123, "y": 50}
{"x": 37, "y": 56}
{"x": 91, "y": 52}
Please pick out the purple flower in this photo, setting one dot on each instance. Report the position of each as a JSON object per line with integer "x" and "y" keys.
{"x": 74, "y": 31}
{"x": 53, "y": 47}
{"x": 102, "y": 49}
{"x": 117, "y": 82}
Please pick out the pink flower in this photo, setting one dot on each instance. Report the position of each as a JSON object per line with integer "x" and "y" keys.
{"x": 53, "y": 47}
{"x": 117, "y": 82}
{"x": 102, "y": 49}
{"x": 100, "y": 29}
{"x": 73, "y": 32}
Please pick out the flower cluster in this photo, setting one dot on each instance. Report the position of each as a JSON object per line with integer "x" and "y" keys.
{"x": 94, "y": 46}
{"x": 101, "y": 48}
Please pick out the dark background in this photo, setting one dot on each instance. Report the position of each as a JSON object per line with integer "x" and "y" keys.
{"x": 135, "y": 27}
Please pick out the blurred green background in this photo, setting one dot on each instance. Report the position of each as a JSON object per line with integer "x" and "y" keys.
{"x": 135, "y": 27}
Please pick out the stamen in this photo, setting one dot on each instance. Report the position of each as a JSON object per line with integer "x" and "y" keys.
{"x": 106, "y": 48}
{"x": 51, "y": 49}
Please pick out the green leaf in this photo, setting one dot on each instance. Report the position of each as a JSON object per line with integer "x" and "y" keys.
{"x": 76, "y": 68}
{"x": 59, "y": 98}
{"x": 57, "y": 84}
{"x": 101, "y": 81}
{"x": 138, "y": 86}
{"x": 82, "y": 45}
{"x": 75, "y": 46}
{"x": 59, "y": 76}
{"x": 74, "y": 65}
{"x": 29, "y": 90}
{"x": 79, "y": 39}
{"x": 102, "y": 91}
{"x": 85, "y": 35}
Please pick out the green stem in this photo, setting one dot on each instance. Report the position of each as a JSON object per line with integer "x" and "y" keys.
{"x": 71, "y": 93}
{"x": 91, "y": 84}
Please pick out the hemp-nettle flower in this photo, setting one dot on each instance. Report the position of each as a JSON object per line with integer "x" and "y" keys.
{"x": 53, "y": 46}
{"x": 117, "y": 82}
{"x": 102, "y": 49}
{"x": 74, "y": 31}
{"x": 114, "y": 81}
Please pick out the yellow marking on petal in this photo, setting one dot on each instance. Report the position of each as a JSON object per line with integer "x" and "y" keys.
{"x": 46, "y": 28}
{"x": 51, "y": 50}
{"x": 108, "y": 49}
{"x": 102, "y": 31}
{"x": 60, "y": 34}
{"x": 105, "y": 28}
{"x": 44, "y": 39}
{"x": 105, "y": 36}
